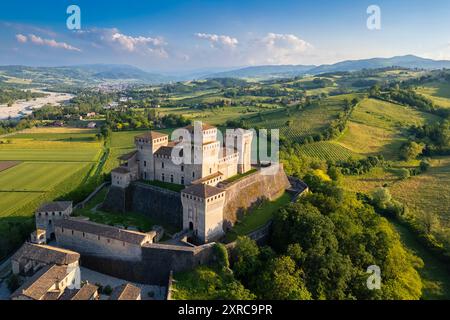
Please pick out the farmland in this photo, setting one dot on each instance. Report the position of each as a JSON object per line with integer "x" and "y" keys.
{"x": 327, "y": 150}
{"x": 44, "y": 164}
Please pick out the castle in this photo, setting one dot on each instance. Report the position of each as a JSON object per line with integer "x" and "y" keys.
{"x": 197, "y": 160}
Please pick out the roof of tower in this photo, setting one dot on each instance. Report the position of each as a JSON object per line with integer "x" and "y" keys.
{"x": 205, "y": 126}
{"x": 202, "y": 190}
{"x": 151, "y": 135}
{"x": 127, "y": 156}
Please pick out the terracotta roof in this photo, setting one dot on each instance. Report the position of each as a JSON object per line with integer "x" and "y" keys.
{"x": 38, "y": 286}
{"x": 164, "y": 151}
{"x": 103, "y": 230}
{"x": 86, "y": 292}
{"x": 205, "y": 126}
{"x": 121, "y": 170}
{"x": 45, "y": 254}
{"x": 55, "y": 206}
{"x": 211, "y": 176}
{"x": 125, "y": 292}
{"x": 202, "y": 190}
{"x": 127, "y": 156}
{"x": 151, "y": 135}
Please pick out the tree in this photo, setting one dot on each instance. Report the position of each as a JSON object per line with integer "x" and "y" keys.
{"x": 381, "y": 197}
{"x": 404, "y": 173}
{"x": 281, "y": 280}
{"x": 247, "y": 262}
{"x": 411, "y": 150}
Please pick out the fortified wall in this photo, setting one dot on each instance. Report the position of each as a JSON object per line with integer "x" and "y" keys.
{"x": 156, "y": 262}
{"x": 157, "y": 203}
{"x": 265, "y": 184}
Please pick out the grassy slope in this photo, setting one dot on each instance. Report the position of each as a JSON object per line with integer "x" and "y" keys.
{"x": 439, "y": 93}
{"x": 378, "y": 127}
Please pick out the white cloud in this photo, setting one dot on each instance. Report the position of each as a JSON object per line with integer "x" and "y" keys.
{"x": 216, "y": 40}
{"x": 277, "y": 48}
{"x": 113, "y": 38}
{"x": 51, "y": 43}
{"x": 21, "y": 38}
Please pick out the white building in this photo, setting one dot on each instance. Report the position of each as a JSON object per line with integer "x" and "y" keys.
{"x": 199, "y": 160}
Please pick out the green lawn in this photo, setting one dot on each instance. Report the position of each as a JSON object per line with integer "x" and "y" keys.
{"x": 257, "y": 217}
{"x": 438, "y": 92}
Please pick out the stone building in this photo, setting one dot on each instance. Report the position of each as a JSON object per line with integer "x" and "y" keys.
{"x": 197, "y": 160}
{"x": 99, "y": 240}
{"x": 49, "y": 271}
{"x": 48, "y": 213}
{"x": 31, "y": 257}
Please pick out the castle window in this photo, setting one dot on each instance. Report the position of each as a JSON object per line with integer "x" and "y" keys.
{"x": 193, "y": 174}
{"x": 162, "y": 165}
{"x": 84, "y": 234}
{"x": 39, "y": 214}
{"x": 162, "y": 177}
{"x": 53, "y": 214}
{"x": 60, "y": 214}
{"x": 72, "y": 232}
{"x": 62, "y": 230}
{"x": 171, "y": 178}
{"x": 145, "y": 163}
{"x": 98, "y": 237}
{"x": 182, "y": 180}
{"x": 210, "y": 170}
{"x": 182, "y": 168}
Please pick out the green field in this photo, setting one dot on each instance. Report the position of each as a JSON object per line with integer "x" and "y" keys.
{"x": 438, "y": 92}
{"x": 379, "y": 127}
{"x": 53, "y": 162}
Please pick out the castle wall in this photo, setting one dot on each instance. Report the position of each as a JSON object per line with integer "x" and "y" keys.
{"x": 93, "y": 245}
{"x": 156, "y": 263}
{"x": 161, "y": 204}
{"x": 247, "y": 192}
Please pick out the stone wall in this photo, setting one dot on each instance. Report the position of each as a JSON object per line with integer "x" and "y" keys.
{"x": 161, "y": 204}
{"x": 158, "y": 260}
{"x": 265, "y": 184}
{"x": 157, "y": 203}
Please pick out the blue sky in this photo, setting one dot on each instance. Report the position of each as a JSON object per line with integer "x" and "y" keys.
{"x": 174, "y": 35}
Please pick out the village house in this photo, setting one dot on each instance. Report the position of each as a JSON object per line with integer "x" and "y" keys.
{"x": 126, "y": 291}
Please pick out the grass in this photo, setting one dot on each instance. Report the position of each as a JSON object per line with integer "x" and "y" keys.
{"x": 165, "y": 185}
{"x": 257, "y": 218}
{"x": 438, "y": 92}
{"x": 434, "y": 274}
{"x": 53, "y": 163}
{"x": 379, "y": 127}
{"x": 36, "y": 176}
{"x": 239, "y": 176}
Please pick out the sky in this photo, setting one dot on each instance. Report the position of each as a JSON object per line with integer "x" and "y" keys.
{"x": 175, "y": 36}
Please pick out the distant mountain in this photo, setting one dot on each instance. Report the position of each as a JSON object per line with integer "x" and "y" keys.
{"x": 285, "y": 71}
{"x": 83, "y": 74}
{"x": 409, "y": 61}
{"x": 258, "y": 72}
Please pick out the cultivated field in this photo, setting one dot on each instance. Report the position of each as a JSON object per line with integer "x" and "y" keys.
{"x": 327, "y": 150}
{"x": 40, "y": 165}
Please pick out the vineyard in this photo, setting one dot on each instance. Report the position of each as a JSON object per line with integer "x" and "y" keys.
{"x": 325, "y": 150}
{"x": 296, "y": 123}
